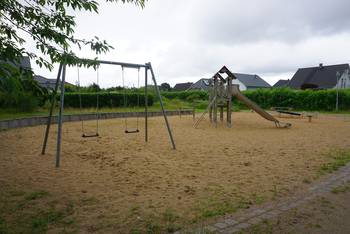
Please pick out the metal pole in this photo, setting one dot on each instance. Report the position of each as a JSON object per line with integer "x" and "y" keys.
{"x": 162, "y": 106}
{"x": 337, "y": 101}
{"x": 146, "y": 105}
{"x": 49, "y": 118}
{"x": 60, "y": 122}
{"x": 123, "y": 64}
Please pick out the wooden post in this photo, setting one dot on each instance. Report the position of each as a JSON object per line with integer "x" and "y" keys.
{"x": 211, "y": 95}
{"x": 229, "y": 102}
{"x": 222, "y": 113}
{"x": 194, "y": 112}
{"x": 215, "y": 119}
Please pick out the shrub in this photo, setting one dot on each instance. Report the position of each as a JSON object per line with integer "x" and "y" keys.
{"x": 309, "y": 100}
{"x": 300, "y": 99}
{"x": 21, "y": 101}
{"x": 108, "y": 99}
{"x": 27, "y": 102}
{"x": 193, "y": 97}
{"x": 187, "y": 95}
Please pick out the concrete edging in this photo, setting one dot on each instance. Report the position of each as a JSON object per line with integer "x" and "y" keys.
{"x": 34, "y": 121}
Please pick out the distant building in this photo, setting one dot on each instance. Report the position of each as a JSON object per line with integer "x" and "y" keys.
{"x": 245, "y": 81}
{"x": 182, "y": 86}
{"x": 45, "y": 82}
{"x": 281, "y": 84}
{"x": 23, "y": 63}
{"x": 201, "y": 84}
{"x": 321, "y": 77}
{"x": 248, "y": 81}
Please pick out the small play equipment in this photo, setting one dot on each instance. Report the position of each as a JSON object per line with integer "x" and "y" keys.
{"x": 286, "y": 110}
{"x": 61, "y": 76}
{"x": 221, "y": 92}
{"x": 309, "y": 116}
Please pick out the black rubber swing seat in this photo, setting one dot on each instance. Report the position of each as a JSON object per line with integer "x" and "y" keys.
{"x": 90, "y": 135}
{"x": 132, "y": 131}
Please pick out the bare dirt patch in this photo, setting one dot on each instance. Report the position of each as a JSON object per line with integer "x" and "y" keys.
{"x": 120, "y": 183}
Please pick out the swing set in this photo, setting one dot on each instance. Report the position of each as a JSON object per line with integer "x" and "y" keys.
{"x": 125, "y": 100}
{"x": 60, "y": 81}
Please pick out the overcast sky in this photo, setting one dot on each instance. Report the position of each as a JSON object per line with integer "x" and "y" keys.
{"x": 189, "y": 39}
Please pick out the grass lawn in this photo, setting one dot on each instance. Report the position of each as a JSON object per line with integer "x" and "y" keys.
{"x": 173, "y": 104}
{"x": 169, "y": 105}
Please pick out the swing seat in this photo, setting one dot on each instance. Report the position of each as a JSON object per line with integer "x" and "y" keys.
{"x": 90, "y": 135}
{"x": 132, "y": 131}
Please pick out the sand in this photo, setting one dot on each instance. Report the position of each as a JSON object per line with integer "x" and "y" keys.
{"x": 132, "y": 181}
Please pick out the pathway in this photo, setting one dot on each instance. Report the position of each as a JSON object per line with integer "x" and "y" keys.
{"x": 238, "y": 222}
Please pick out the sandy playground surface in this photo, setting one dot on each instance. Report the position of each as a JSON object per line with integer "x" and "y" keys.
{"x": 131, "y": 182}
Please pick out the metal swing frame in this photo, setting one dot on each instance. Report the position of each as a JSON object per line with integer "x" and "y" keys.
{"x": 60, "y": 81}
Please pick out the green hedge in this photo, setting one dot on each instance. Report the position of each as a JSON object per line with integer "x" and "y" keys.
{"x": 323, "y": 100}
{"x": 105, "y": 99}
{"x": 21, "y": 101}
{"x": 186, "y": 95}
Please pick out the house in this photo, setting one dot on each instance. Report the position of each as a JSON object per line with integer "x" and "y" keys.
{"x": 245, "y": 81}
{"x": 24, "y": 63}
{"x": 321, "y": 77}
{"x": 281, "y": 84}
{"x": 45, "y": 82}
{"x": 48, "y": 83}
{"x": 201, "y": 84}
{"x": 248, "y": 81}
{"x": 182, "y": 86}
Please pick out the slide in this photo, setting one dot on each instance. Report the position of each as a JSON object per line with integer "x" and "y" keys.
{"x": 237, "y": 93}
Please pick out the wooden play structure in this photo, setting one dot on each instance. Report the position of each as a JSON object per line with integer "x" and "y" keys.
{"x": 221, "y": 92}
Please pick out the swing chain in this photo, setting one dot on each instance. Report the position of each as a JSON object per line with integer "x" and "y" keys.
{"x": 81, "y": 107}
{"x": 126, "y": 104}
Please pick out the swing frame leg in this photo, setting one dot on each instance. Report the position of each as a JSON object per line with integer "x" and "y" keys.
{"x": 49, "y": 118}
{"x": 162, "y": 106}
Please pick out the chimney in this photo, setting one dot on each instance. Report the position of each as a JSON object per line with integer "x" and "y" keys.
{"x": 321, "y": 65}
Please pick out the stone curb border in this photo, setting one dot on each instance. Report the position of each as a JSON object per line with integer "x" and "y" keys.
{"x": 229, "y": 225}
{"x": 34, "y": 121}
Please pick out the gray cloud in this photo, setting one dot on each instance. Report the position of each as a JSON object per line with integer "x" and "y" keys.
{"x": 189, "y": 39}
{"x": 239, "y": 21}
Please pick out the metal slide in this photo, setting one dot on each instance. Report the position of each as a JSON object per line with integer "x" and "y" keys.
{"x": 237, "y": 93}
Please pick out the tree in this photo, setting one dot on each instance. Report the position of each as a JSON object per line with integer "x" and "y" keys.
{"x": 93, "y": 88}
{"x": 51, "y": 27}
{"x": 165, "y": 87}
